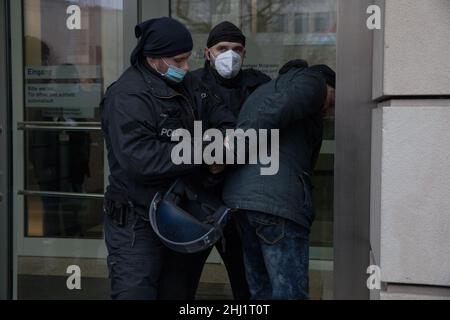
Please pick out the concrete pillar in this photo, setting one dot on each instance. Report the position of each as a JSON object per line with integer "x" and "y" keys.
{"x": 410, "y": 179}
{"x": 412, "y": 51}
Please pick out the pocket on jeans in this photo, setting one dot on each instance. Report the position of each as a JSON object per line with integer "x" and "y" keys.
{"x": 270, "y": 229}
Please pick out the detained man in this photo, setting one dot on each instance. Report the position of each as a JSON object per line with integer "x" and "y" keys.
{"x": 276, "y": 211}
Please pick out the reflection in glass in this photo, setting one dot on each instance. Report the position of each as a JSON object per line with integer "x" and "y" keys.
{"x": 57, "y": 217}
{"x": 302, "y": 23}
{"x": 71, "y": 56}
{"x": 64, "y": 161}
{"x": 277, "y": 30}
{"x": 67, "y": 69}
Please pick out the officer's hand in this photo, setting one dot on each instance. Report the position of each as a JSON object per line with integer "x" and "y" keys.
{"x": 216, "y": 168}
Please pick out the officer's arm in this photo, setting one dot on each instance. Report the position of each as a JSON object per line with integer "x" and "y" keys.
{"x": 304, "y": 97}
{"x": 134, "y": 141}
{"x": 219, "y": 115}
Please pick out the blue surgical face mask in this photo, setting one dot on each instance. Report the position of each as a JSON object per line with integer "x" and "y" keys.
{"x": 173, "y": 73}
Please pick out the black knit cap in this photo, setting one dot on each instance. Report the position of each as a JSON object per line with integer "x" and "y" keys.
{"x": 161, "y": 37}
{"x": 298, "y": 63}
{"x": 328, "y": 74}
{"x": 225, "y": 31}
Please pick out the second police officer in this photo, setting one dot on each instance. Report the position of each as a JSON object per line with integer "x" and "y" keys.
{"x": 224, "y": 76}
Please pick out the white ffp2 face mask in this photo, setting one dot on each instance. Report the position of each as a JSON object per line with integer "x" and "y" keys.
{"x": 228, "y": 64}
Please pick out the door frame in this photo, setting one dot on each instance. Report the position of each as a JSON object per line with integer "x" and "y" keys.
{"x": 354, "y": 105}
{"x": 5, "y": 158}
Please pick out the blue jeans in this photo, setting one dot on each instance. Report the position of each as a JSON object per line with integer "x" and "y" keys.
{"x": 276, "y": 256}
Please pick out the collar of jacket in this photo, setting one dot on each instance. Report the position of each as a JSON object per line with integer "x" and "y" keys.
{"x": 210, "y": 74}
{"x": 245, "y": 79}
{"x": 157, "y": 85}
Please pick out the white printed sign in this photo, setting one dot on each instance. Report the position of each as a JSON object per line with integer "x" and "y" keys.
{"x": 62, "y": 72}
{"x": 67, "y": 88}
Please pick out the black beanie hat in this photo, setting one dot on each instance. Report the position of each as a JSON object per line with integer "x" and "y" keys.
{"x": 298, "y": 63}
{"x": 161, "y": 37}
{"x": 225, "y": 31}
{"x": 328, "y": 74}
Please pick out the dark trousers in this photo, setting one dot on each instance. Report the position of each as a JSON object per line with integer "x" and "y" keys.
{"x": 230, "y": 250}
{"x": 141, "y": 268}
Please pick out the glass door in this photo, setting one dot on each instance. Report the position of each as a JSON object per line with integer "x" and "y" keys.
{"x": 64, "y": 57}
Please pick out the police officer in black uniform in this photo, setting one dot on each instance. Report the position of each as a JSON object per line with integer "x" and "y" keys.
{"x": 223, "y": 75}
{"x": 140, "y": 111}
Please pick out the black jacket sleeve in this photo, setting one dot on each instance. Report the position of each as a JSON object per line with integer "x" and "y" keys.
{"x": 132, "y": 131}
{"x": 215, "y": 114}
{"x": 219, "y": 116}
{"x": 304, "y": 96}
